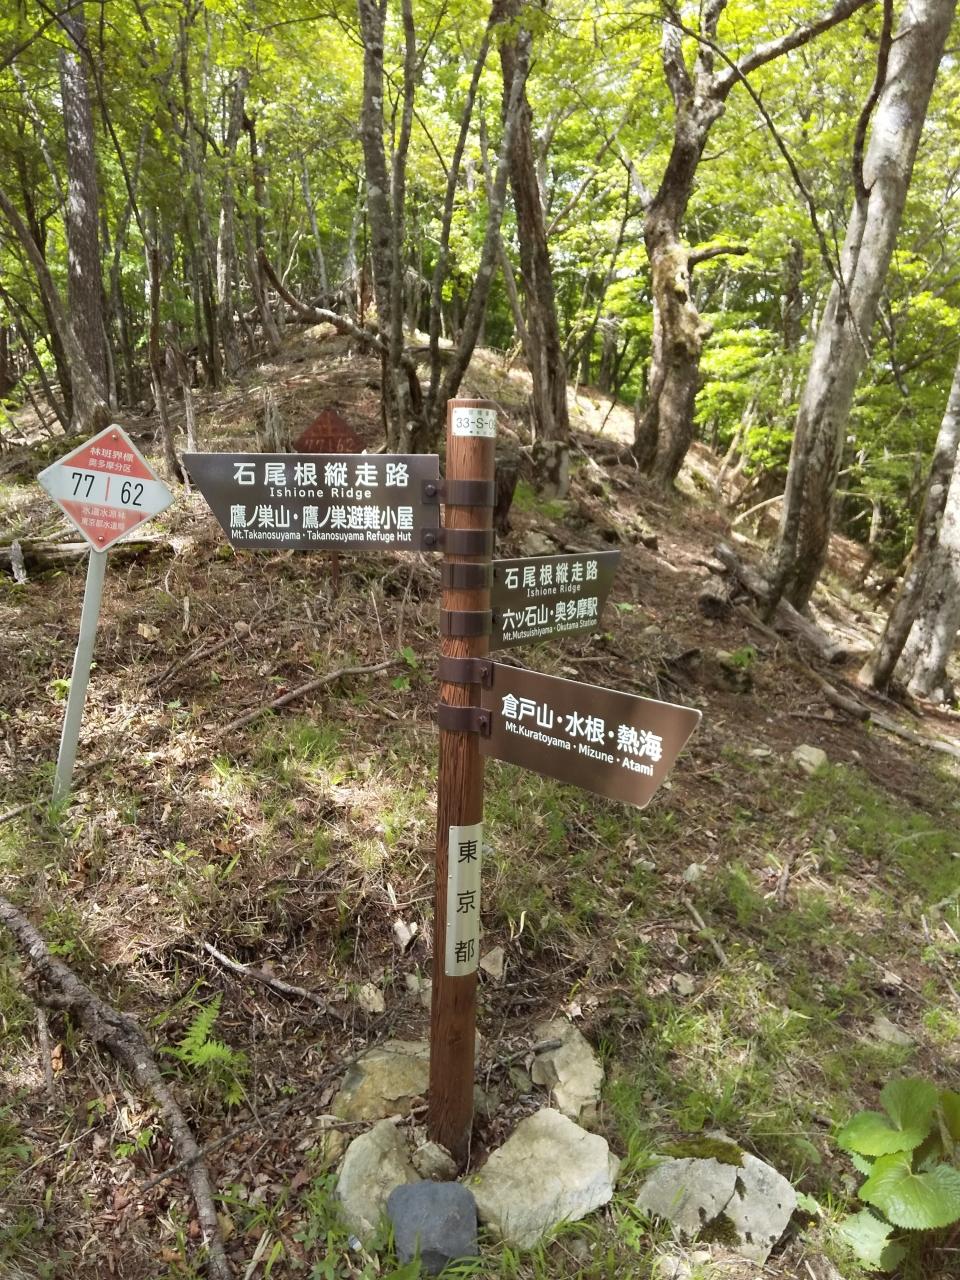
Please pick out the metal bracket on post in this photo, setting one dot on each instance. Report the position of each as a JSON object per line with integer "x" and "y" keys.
{"x": 460, "y": 493}
{"x": 464, "y": 719}
{"x": 466, "y": 671}
{"x": 458, "y": 542}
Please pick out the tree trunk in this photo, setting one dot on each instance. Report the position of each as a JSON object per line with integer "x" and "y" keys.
{"x": 155, "y": 353}
{"x": 923, "y": 664}
{"x": 90, "y": 410}
{"x": 271, "y": 331}
{"x": 84, "y": 285}
{"x": 839, "y": 352}
{"x": 879, "y": 667}
{"x": 226, "y": 234}
{"x": 548, "y": 370}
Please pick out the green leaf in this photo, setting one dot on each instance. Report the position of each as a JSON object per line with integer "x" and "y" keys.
{"x": 869, "y": 1133}
{"x": 868, "y": 1237}
{"x": 918, "y": 1201}
{"x": 809, "y": 1205}
{"x": 861, "y": 1164}
{"x": 910, "y": 1105}
{"x": 950, "y": 1106}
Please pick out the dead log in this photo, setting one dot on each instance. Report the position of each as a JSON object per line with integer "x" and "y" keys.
{"x": 716, "y": 597}
{"x": 58, "y": 987}
{"x": 59, "y": 555}
{"x": 786, "y": 620}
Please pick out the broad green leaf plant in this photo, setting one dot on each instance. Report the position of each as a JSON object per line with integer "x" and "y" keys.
{"x": 909, "y": 1154}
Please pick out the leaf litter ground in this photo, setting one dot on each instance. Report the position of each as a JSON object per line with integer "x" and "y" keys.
{"x": 298, "y": 842}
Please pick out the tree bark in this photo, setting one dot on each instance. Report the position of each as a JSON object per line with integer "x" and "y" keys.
{"x": 664, "y": 425}
{"x": 84, "y": 283}
{"x": 90, "y": 410}
{"x": 840, "y": 352}
{"x": 226, "y": 234}
{"x": 548, "y": 370}
{"x": 879, "y": 667}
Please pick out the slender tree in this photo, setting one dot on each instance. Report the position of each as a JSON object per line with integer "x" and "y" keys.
{"x": 699, "y": 89}
{"x": 879, "y": 667}
{"x": 840, "y": 349}
{"x": 542, "y": 341}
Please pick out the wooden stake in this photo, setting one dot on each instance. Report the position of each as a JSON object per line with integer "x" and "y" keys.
{"x": 470, "y": 457}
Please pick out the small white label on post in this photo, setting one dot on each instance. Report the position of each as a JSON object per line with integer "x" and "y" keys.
{"x": 474, "y": 422}
{"x": 462, "y": 951}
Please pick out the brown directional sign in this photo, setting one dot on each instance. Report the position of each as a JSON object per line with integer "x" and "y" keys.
{"x": 541, "y": 596}
{"x": 313, "y": 502}
{"x": 616, "y": 744}
{"x": 328, "y": 433}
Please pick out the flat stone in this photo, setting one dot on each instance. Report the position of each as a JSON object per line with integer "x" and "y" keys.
{"x": 809, "y": 760}
{"x": 493, "y": 963}
{"x": 760, "y": 1208}
{"x": 375, "y": 1164}
{"x": 572, "y": 1073}
{"x": 436, "y": 1221}
{"x": 683, "y": 984}
{"x": 688, "y": 1192}
{"x": 548, "y": 1171}
{"x": 385, "y": 1081}
{"x": 370, "y": 999}
{"x": 888, "y": 1032}
{"x": 435, "y": 1163}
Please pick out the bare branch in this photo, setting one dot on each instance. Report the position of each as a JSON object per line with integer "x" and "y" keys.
{"x": 800, "y": 36}
{"x": 697, "y": 256}
{"x": 860, "y": 137}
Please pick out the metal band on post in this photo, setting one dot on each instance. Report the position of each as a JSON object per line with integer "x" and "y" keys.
{"x": 466, "y": 576}
{"x": 466, "y": 622}
{"x": 467, "y": 542}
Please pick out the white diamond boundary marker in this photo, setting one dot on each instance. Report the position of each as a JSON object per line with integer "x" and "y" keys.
{"x": 108, "y": 482}
{"x": 124, "y": 488}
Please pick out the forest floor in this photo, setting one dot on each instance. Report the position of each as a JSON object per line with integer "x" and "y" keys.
{"x": 297, "y": 841}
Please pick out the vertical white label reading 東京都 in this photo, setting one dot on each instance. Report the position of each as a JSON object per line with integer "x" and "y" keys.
{"x": 474, "y": 422}
{"x": 463, "y": 900}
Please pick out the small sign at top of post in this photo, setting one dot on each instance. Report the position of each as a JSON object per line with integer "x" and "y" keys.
{"x": 106, "y": 489}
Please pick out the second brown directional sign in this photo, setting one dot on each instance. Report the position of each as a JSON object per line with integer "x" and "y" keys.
{"x": 536, "y": 597}
{"x": 616, "y": 744}
{"x": 312, "y": 502}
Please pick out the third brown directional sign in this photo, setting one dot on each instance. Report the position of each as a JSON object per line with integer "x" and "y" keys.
{"x": 616, "y": 744}
{"x": 536, "y": 597}
{"x": 317, "y": 501}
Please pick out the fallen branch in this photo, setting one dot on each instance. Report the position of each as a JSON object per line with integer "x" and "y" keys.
{"x": 302, "y": 690}
{"x": 273, "y": 1113}
{"x": 58, "y": 987}
{"x": 266, "y": 979}
{"x": 705, "y": 933}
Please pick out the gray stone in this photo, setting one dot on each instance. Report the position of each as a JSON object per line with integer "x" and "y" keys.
{"x": 493, "y": 962}
{"x": 572, "y": 1073}
{"x": 384, "y": 1081}
{"x": 756, "y": 1200}
{"x": 689, "y": 1192}
{"x": 537, "y": 544}
{"x": 435, "y": 1220}
{"x": 370, "y": 999}
{"x": 420, "y": 987}
{"x": 435, "y": 1162}
{"x": 376, "y": 1162}
{"x": 760, "y": 1208}
{"x": 548, "y": 1171}
{"x": 888, "y": 1032}
{"x": 809, "y": 760}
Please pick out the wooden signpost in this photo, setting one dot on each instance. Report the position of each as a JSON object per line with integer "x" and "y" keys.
{"x": 465, "y": 624}
{"x": 616, "y": 744}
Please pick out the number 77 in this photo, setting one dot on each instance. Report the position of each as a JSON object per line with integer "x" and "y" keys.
{"x": 78, "y": 478}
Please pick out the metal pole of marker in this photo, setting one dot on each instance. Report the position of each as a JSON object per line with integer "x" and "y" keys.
{"x": 468, "y": 495}
{"x": 80, "y": 676}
